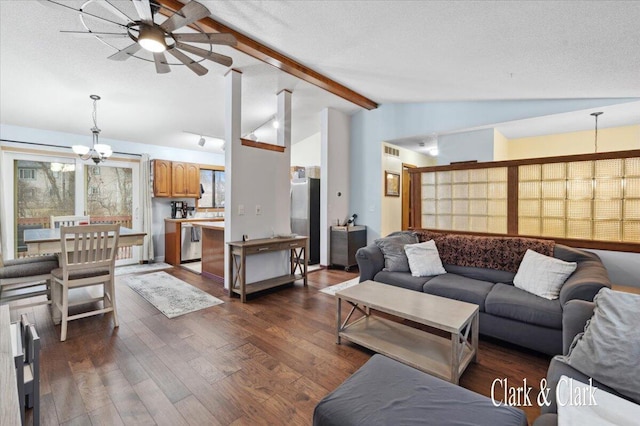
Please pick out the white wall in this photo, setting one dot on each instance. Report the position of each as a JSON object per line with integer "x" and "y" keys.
{"x": 466, "y": 146}
{"x": 334, "y": 175}
{"x": 392, "y": 206}
{"x": 256, "y": 177}
{"x": 160, "y": 206}
{"x": 307, "y": 152}
{"x": 500, "y": 146}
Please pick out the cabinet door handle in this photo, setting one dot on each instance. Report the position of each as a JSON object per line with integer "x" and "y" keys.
{"x": 263, "y": 248}
{"x": 293, "y": 244}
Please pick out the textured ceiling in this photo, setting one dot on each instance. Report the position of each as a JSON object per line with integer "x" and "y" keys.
{"x": 389, "y": 51}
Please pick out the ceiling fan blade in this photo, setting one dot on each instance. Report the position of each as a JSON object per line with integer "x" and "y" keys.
{"x": 209, "y": 38}
{"x": 215, "y": 57}
{"x": 52, "y": 2}
{"x": 96, "y": 33}
{"x": 161, "y": 63}
{"x": 125, "y": 53}
{"x": 144, "y": 10}
{"x": 108, "y": 4}
{"x": 194, "y": 66}
{"x": 189, "y": 13}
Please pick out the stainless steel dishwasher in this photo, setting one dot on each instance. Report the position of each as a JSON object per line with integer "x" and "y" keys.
{"x": 190, "y": 243}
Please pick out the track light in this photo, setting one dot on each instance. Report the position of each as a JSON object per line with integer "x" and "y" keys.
{"x": 275, "y": 123}
{"x": 202, "y": 141}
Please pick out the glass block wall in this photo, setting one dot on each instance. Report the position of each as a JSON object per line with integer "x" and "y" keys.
{"x": 590, "y": 200}
{"x": 465, "y": 200}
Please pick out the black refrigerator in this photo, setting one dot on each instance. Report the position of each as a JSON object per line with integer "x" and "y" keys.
{"x": 305, "y": 213}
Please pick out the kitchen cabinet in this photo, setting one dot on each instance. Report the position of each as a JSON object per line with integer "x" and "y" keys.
{"x": 176, "y": 179}
{"x": 173, "y": 237}
{"x": 161, "y": 178}
{"x": 185, "y": 180}
{"x": 192, "y": 180}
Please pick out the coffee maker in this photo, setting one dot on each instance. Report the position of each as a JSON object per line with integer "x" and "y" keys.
{"x": 177, "y": 210}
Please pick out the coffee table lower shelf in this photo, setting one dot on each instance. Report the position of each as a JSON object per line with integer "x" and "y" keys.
{"x": 419, "y": 349}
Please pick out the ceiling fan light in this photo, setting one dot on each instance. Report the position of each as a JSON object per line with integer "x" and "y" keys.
{"x": 152, "y": 39}
{"x": 80, "y": 149}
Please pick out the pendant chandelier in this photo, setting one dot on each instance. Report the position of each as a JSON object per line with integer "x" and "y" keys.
{"x": 99, "y": 151}
{"x": 595, "y": 143}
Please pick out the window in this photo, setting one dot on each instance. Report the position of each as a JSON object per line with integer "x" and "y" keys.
{"x": 591, "y": 199}
{"x": 27, "y": 174}
{"x": 212, "y": 182}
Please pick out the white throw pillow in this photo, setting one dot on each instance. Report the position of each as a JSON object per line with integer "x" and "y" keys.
{"x": 424, "y": 260}
{"x": 543, "y": 275}
{"x": 606, "y": 410}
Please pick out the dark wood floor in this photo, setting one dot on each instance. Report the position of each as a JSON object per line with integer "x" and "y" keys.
{"x": 265, "y": 362}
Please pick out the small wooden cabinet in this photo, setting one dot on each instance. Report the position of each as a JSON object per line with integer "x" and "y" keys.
{"x": 161, "y": 178}
{"x": 345, "y": 241}
{"x": 176, "y": 179}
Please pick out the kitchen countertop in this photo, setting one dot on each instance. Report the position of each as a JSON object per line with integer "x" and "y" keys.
{"x": 211, "y": 225}
{"x": 196, "y": 219}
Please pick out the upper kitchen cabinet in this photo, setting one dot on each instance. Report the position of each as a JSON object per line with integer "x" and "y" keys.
{"x": 176, "y": 179}
{"x": 161, "y": 178}
{"x": 185, "y": 180}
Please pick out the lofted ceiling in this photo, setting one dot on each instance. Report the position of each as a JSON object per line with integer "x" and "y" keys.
{"x": 388, "y": 51}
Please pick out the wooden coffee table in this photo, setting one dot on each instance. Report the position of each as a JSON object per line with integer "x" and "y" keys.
{"x": 443, "y": 357}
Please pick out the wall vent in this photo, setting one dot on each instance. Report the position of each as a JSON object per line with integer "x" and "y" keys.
{"x": 391, "y": 151}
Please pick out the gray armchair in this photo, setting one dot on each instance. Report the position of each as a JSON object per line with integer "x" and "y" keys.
{"x": 575, "y": 315}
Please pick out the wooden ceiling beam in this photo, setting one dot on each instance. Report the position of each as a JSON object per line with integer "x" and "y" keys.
{"x": 270, "y": 56}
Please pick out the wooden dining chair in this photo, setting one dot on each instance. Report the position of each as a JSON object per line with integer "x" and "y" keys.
{"x": 88, "y": 255}
{"x": 58, "y": 221}
{"x": 31, "y": 368}
{"x": 26, "y": 277}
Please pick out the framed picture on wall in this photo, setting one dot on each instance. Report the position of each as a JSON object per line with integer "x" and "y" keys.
{"x": 392, "y": 184}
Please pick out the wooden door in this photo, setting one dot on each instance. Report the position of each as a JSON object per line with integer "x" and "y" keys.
{"x": 162, "y": 178}
{"x": 192, "y": 180}
{"x": 407, "y": 219}
{"x": 178, "y": 179}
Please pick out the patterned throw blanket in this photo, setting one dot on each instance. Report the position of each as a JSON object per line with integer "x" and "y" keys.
{"x": 500, "y": 253}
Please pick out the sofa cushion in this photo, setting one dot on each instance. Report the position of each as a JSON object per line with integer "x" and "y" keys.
{"x": 401, "y": 279}
{"x": 510, "y": 302}
{"x": 459, "y": 288}
{"x": 395, "y": 259}
{"x": 28, "y": 267}
{"x": 609, "y": 348}
{"x": 482, "y": 274}
{"x": 424, "y": 260}
{"x": 543, "y": 275}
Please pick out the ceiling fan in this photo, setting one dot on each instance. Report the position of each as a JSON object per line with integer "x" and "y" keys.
{"x": 147, "y": 35}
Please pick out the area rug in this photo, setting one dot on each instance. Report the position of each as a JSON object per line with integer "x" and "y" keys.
{"x": 147, "y": 267}
{"x": 332, "y": 290}
{"x": 172, "y": 297}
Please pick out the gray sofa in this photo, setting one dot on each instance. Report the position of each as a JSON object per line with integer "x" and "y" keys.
{"x": 575, "y": 316}
{"x": 506, "y": 312}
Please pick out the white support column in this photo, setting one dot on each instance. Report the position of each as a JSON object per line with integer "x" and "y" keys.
{"x": 283, "y": 116}
{"x": 232, "y": 120}
{"x": 283, "y": 175}
{"x": 334, "y": 174}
